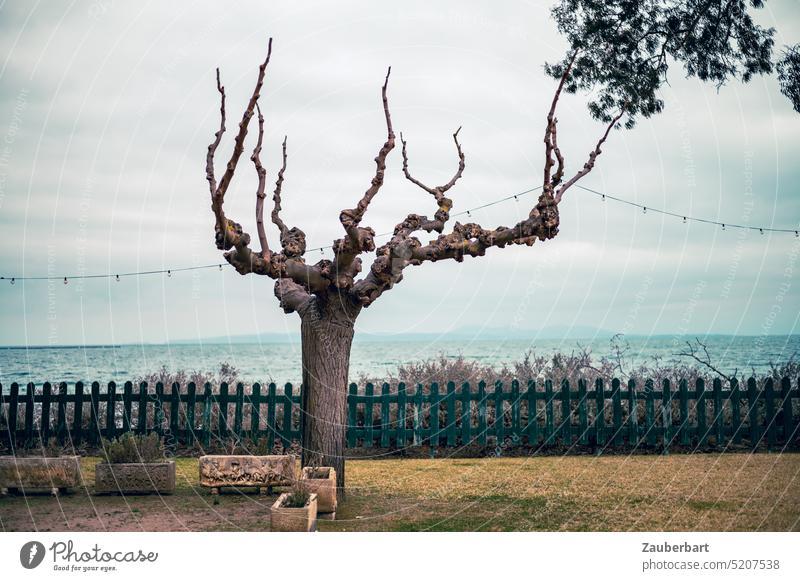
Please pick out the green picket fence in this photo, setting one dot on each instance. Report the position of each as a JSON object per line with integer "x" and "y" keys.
{"x": 602, "y": 415}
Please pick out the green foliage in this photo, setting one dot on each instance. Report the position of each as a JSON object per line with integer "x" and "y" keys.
{"x": 624, "y": 49}
{"x": 129, "y": 448}
{"x": 298, "y": 497}
{"x": 789, "y": 75}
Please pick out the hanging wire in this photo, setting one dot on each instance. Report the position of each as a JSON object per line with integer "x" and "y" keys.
{"x": 468, "y": 212}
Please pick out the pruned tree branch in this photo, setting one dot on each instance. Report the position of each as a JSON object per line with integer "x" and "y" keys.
{"x": 465, "y": 240}
{"x": 360, "y": 239}
{"x": 414, "y": 222}
{"x": 587, "y": 167}
{"x": 260, "y": 195}
{"x": 230, "y": 235}
{"x": 550, "y": 133}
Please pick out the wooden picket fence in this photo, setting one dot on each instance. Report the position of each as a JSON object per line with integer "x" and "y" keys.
{"x": 607, "y": 416}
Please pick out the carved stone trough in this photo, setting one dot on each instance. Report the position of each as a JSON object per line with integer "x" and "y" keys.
{"x": 262, "y": 472}
{"x": 135, "y": 478}
{"x": 322, "y": 481}
{"x": 290, "y": 519}
{"x": 39, "y": 474}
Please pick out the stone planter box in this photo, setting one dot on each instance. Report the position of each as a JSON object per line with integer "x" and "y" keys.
{"x": 37, "y": 474}
{"x": 292, "y": 520}
{"x": 135, "y": 478}
{"x": 263, "y": 472}
{"x": 322, "y": 481}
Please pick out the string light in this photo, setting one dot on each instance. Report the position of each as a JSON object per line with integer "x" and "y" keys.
{"x": 468, "y": 212}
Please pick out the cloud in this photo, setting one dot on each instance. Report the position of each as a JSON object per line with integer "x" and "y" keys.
{"x": 105, "y": 171}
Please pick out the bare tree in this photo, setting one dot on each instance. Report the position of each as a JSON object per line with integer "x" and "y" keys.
{"x": 619, "y": 49}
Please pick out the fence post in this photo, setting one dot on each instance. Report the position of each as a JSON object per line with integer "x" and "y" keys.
{"x": 666, "y": 415}
{"x": 255, "y": 411}
{"x": 433, "y": 422}
{"x": 683, "y": 388}
{"x": 286, "y": 435}
{"x": 77, "y": 416}
{"x": 369, "y": 392}
{"x": 127, "y": 405}
{"x": 208, "y": 400}
{"x": 418, "y": 415}
{"x": 515, "y": 430}
{"x": 600, "y": 414}
{"x": 770, "y": 419}
{"x": 272, "y": 426}
{"x": 222, "y": 411}
{"x": 45, "y": 426}
{"x": 566, "y": 414}
{"x": 499, "y": 414}
{"x": 549, "y": 422}
{"x": 451, "y": 414}
{"x": 94, "y": 414}
{"x": 718, "y": 419}
{"x": 700, "y": 411}
{"x": 583, "y": 427}
{"x": 352, "y": 417}
{"x": 650, "y": 412}
{"x": 786, "y": 388}
{"x": 141, "y": 409}
{"x": 158, "y": 414}
{"x": 401, "y": 416}
{"x": 466, "y": 414}
{"x": 191, "y": 403}
{"x": 482, "y": 413}
{"x": 30, "y": 391}
{"x": 238, "y": 410}
{"x": 532, "y": 429}
{"x": 385, "y": 426}
{"x": 633, "y": 414}
{"x": 61, "y": 429}
{"x": 111, "y": 411}
{"x": 736, "y": 411}
{"x": 13, "y": 406}
{"x": 174, "y": 414}
{"x": 752, "y": 412}
{"x": 616, "y": 401}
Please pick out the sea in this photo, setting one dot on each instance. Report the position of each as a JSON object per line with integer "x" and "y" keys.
{"x": 280, "y": 362}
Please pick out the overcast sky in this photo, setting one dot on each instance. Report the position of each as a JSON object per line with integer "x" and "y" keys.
{"x": 106, "y": 110}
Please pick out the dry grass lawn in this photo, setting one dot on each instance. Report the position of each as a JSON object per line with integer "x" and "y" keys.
{"x": 585, "y": 493}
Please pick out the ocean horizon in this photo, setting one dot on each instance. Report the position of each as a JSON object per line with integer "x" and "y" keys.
{"x": 280, "y": 361}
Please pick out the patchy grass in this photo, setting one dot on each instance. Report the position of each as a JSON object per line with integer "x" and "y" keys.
{"x": 574, "y": 493}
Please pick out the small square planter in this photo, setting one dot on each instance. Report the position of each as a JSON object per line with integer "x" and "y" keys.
{"x": 135, "y": 478}
{"x": 38, "y": 474}
{"x": 322, "y": 481}
{"x": 293, "y": 520}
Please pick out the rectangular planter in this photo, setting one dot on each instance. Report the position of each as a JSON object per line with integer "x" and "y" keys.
{"x": 293, "y": 520}
{"x": 322, "y": 481}
{"x": 32, "y": 474}
{"x": 135, "y": 478}
{"x": 233, "y": 470}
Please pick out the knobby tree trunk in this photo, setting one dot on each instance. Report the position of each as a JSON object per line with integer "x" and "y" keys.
{"x": 327, "y": 335}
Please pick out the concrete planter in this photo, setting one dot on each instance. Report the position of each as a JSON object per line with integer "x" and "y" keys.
{"x": 38, "y": 474}
{"x": 322, "y": 481}
{"x": 293, "y": 520}
{"x": 263, "y": 472}
{"x": 135, "y": 478}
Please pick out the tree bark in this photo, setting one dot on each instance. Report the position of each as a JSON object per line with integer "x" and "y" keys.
{"x": 327, "y": 335}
